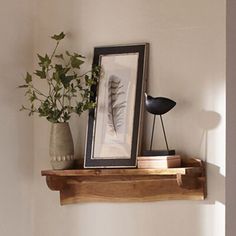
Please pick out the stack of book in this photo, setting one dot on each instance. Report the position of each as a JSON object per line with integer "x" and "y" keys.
{"x": 159, "y": 162}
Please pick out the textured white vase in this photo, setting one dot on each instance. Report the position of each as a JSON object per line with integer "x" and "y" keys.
{"x": 61, "y": 147}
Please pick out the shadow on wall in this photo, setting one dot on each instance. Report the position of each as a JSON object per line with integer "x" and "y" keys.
{"x": 209, "y": 120}
{"x": 205, "y": 122}
{"x": 215, "y": 185}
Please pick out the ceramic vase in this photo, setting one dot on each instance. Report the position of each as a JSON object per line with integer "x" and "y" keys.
{"x": 61, "y": 147}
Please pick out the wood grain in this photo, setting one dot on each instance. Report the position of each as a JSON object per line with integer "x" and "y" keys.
{"x": 122, "y": 172}
{"x": 125, "y": 191}
{"x": 185, "y": 183}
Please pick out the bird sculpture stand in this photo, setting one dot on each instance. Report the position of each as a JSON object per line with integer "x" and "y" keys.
{"x": 158, "y": 106}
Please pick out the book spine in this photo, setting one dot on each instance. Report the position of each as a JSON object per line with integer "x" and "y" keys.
{"x": 159, "y": 164}
{"x": 158, "y": 157}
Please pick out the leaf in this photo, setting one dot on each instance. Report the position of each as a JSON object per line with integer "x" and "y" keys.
{"x": 44, "y": 109}
{"x": 57, "y": 88}
{"x": 23, "y": 86}
{"x": 55, "y": 115}
{"x": 58, "y": 37}
{"x": 22, "y": 108}
{"x": 40, "y": 73}
{"x": 96, "y": 73}
{"x": 66, "y": 116}
{"x": 41, "y": 58}
{"x": 79, "y": 108}
{"x": 33, "y": 97}
{"x": 66, "y": 81}
{"x": 30, "y": 113}
{"x": 44, "y": 61}
{"x": 60, "y": 56}
{"x": 75, "y": 62}
{"x": 55, "y": 76}
{"x": 68, "y": 54}
{"x": 57, "y": 96}
{"x": 28, "y": 78}
{"x": 79, "y": 55}
{"x": 89, "y": 105}
{"x": 58, "y": 67}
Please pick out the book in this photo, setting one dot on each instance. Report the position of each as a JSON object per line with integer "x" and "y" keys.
{"x": 170, "y": 157}
{"x": 155, "y": 162}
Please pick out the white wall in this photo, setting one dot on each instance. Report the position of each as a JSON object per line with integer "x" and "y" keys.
{"x": 187, "y": 64}
{"x": 16, "y": 143}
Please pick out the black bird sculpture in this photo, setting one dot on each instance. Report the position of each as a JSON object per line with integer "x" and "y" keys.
{"x": 158, "y": 106}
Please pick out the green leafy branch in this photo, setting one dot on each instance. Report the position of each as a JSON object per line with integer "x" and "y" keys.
{"x": 68, "y": 91}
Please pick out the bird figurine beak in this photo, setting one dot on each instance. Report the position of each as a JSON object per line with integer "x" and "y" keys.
{"x": 145, "y": 95}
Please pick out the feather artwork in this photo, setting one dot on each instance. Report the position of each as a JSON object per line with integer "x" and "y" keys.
{"x": 116, "y": 104}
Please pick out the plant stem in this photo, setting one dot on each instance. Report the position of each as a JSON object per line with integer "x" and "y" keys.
{"x": 79, "y": 76}
{"x": 38, "y": 92}
{"x": 50, "y": 85}
{"x": 54, "y": 51}
{"x": 63, "y": 100}
{"x": 28, "y": 109}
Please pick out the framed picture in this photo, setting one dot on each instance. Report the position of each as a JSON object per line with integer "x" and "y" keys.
{"x": 114, "y": 126}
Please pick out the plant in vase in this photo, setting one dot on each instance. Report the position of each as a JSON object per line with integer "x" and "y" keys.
{"x": 67, "y": 91}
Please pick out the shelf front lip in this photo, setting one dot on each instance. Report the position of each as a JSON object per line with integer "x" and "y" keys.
{"x": 123, "y": 172}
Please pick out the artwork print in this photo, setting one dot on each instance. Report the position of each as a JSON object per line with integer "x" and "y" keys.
{"x": 115, "y": 126}
{"x": 116, "y": 98}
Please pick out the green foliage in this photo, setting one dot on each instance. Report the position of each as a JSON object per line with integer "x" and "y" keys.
{"x": 67, "y": 91}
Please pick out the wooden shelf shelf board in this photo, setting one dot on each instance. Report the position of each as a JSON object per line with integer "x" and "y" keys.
{"x": 185, "y": 183}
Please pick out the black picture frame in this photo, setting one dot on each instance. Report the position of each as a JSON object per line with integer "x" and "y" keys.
{"x": 141, "y": 50}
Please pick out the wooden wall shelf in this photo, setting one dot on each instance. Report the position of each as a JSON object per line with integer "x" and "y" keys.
{"x": 185, "y": 183}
